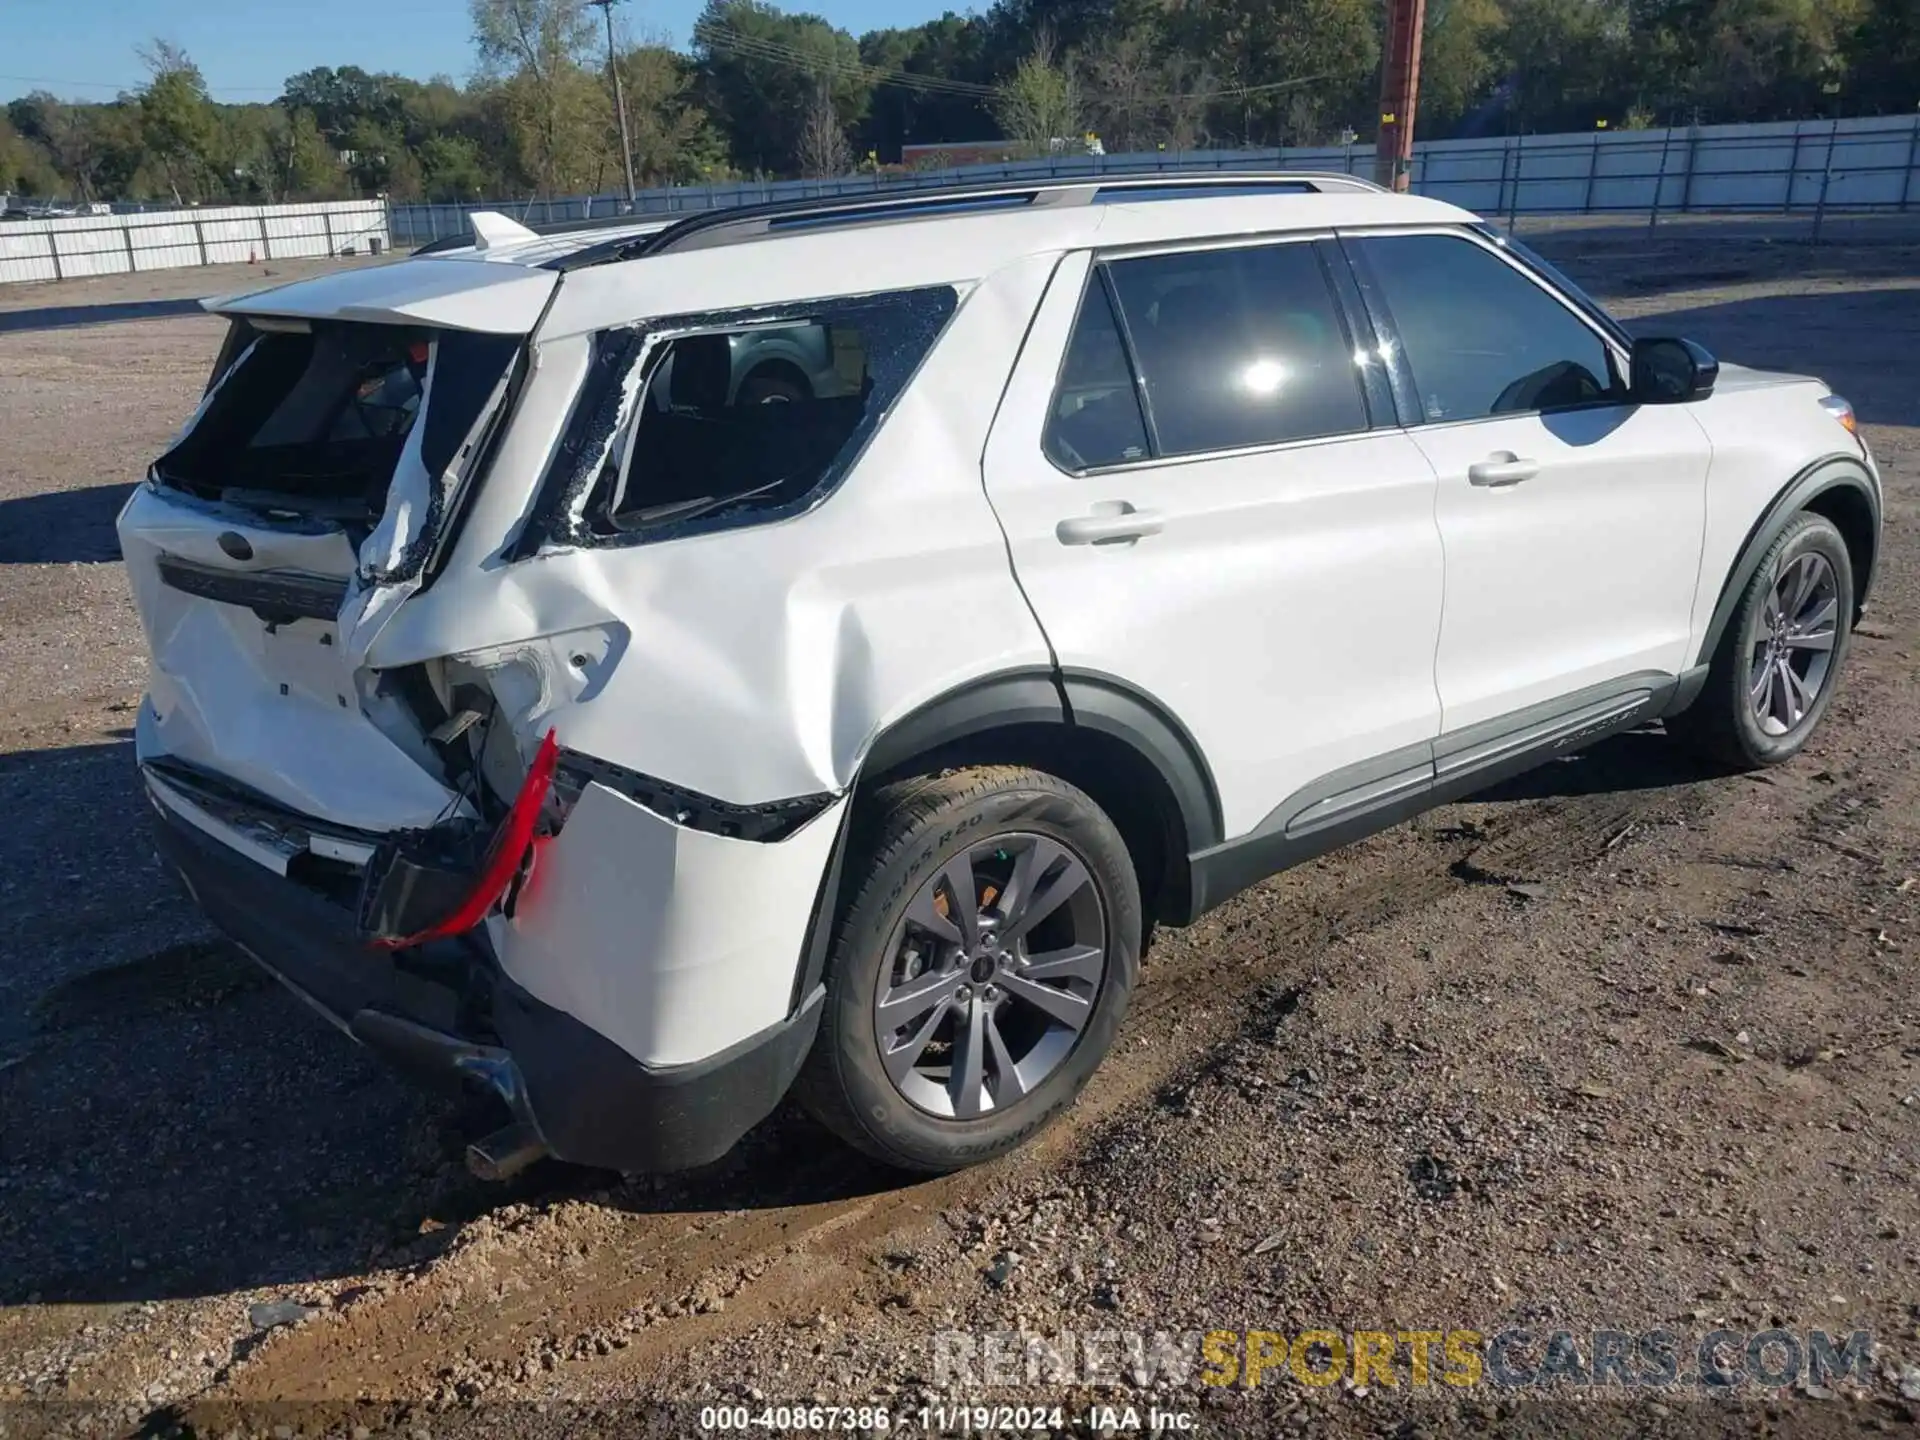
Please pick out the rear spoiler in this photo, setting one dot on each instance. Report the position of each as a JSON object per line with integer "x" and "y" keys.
{"x": 495, "y": 298}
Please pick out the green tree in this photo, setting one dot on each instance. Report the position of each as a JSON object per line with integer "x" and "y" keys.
{"x": 1121, "y": 78}
{"x": 1883, "y": 58}
{"x": 25, "y": 167}
{"x": 452, "y": 168}
{"x": 1288, "y": 69}
{"x": 552, "y": 110}
{"x": 1459, "y": 59}
{"x": 943, "y": 71}
{"x": 673, "y": 139}
{"x": 1040, "y": 102}
{"x": 178, "y": 123}
{"x": 761, "y": 68}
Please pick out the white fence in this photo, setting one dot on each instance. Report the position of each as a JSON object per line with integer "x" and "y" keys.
{"x": 1793, "y": 167}
{"x": 208, "y": 235}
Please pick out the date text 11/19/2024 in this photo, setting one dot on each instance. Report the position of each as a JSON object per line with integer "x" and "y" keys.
{"x": 941, "y": 1419}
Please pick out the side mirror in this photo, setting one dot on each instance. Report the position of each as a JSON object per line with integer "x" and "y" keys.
{"x": 1672, "y": 372}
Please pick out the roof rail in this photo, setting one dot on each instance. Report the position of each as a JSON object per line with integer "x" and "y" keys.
{"x": 747, "y": 222}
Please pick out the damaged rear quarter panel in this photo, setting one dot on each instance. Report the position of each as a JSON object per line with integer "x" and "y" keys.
{"x": 673, "y": 943}
{"x": 758, "y": 663}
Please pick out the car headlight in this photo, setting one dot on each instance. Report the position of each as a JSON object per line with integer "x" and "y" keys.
{"x": 1841, "y": 410}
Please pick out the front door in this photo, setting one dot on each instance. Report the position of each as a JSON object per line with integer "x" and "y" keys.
{"x": 1572, "y": 519}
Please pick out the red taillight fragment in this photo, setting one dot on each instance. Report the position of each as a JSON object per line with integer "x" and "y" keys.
{"x": 504, "y": 854}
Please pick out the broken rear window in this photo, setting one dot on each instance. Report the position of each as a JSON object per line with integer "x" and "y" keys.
{"x": 730, "y": 419}
{"x": 315, "y": 417}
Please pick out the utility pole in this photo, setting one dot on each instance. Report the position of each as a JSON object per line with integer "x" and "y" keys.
{"x": 619, "y": 99}
{"x": 1399, "y": 92}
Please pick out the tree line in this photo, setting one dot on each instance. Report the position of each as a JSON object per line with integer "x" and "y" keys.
{"x": 765, "y": 91}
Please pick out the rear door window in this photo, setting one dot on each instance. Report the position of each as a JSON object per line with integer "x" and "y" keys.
{"x": 1239, "y": 347}
{"x": 729, "y": 420}
{"x": 1096, "y": 417}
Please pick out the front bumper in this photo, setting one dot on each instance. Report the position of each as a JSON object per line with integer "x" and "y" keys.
{"x": 446, "y": 1012}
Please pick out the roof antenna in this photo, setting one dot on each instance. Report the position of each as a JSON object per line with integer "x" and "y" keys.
{"x": 491, "y": 228}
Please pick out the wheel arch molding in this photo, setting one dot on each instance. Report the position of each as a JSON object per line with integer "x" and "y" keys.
{"x": 1838, "y": 487}
{"x": 1144, "y": 764}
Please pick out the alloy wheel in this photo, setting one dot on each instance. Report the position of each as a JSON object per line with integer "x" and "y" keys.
{"x": 1791, "y": 654}
{"x": 991, "y": 976}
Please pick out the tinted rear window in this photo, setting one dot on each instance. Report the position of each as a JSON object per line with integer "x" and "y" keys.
{"x": 1239, "y": 347}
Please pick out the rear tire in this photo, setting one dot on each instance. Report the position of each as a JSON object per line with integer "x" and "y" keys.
{"x": 1012, "y": 1005}
{"x": 1777, "y": 666}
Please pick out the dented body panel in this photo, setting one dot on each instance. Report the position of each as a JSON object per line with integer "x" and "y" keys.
{"x": 277, "y": 708}
{"x": 673, "y": 943}
{"x": 759, "y": 663}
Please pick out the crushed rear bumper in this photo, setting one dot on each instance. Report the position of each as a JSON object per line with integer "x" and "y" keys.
{"x": 445, "y": 1012}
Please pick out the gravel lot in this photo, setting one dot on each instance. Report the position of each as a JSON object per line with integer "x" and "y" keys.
{"x": 1622, "y": 1046}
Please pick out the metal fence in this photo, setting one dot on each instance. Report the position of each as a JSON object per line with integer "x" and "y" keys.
{"x": 1807, "y": 169}
{"x": 117, "y": 244}
{"x": 1804, "y": 167}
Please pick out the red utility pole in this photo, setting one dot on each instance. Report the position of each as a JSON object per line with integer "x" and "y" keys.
{"x": 1399, "y": 92}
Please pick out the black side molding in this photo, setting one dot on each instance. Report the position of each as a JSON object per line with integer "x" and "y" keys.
{"x": 1083, "y": 699}
{"x": 1359, "y": 800}
{"x": 1829, "y": 473}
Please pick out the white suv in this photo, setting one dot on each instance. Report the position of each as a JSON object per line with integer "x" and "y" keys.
{"x": 554, "y": 710}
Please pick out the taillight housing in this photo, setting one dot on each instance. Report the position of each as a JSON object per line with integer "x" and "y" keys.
{"x": 388, "y": 897}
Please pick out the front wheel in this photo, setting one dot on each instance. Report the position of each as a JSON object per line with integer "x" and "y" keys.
{"x": 1777, "y": 667}
{"x": 980, "y": 973}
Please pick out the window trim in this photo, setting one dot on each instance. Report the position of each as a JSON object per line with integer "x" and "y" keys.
{"x": 1321, "y": 239}
{"x": 1406, "y": 393}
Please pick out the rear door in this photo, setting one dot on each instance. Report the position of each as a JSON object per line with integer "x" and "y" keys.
{"x": 1572, "y": 519}
{"x": 1203, "y": 503}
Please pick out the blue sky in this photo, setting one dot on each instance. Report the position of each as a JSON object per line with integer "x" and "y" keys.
{"x": 83, "y": 49}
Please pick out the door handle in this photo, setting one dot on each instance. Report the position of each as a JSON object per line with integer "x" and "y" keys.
{"x": 1502, "y": 468}
{"x": 1111, "y": 520}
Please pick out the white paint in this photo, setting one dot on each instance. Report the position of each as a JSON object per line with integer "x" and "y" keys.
{"x": 672, "y": 943}
{"x": 1764, "y": 429}
{"x": 1580, "y": 575}
{"x": 215, "y": 676}
{"x": 760, "y": 662}
{"x": 454, "y": 294}
{"x": 410, "y": 495}
{"x": 1287, "y": 609}
{"x": 491, "y": 228}
{"x": 936, "y": 249}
